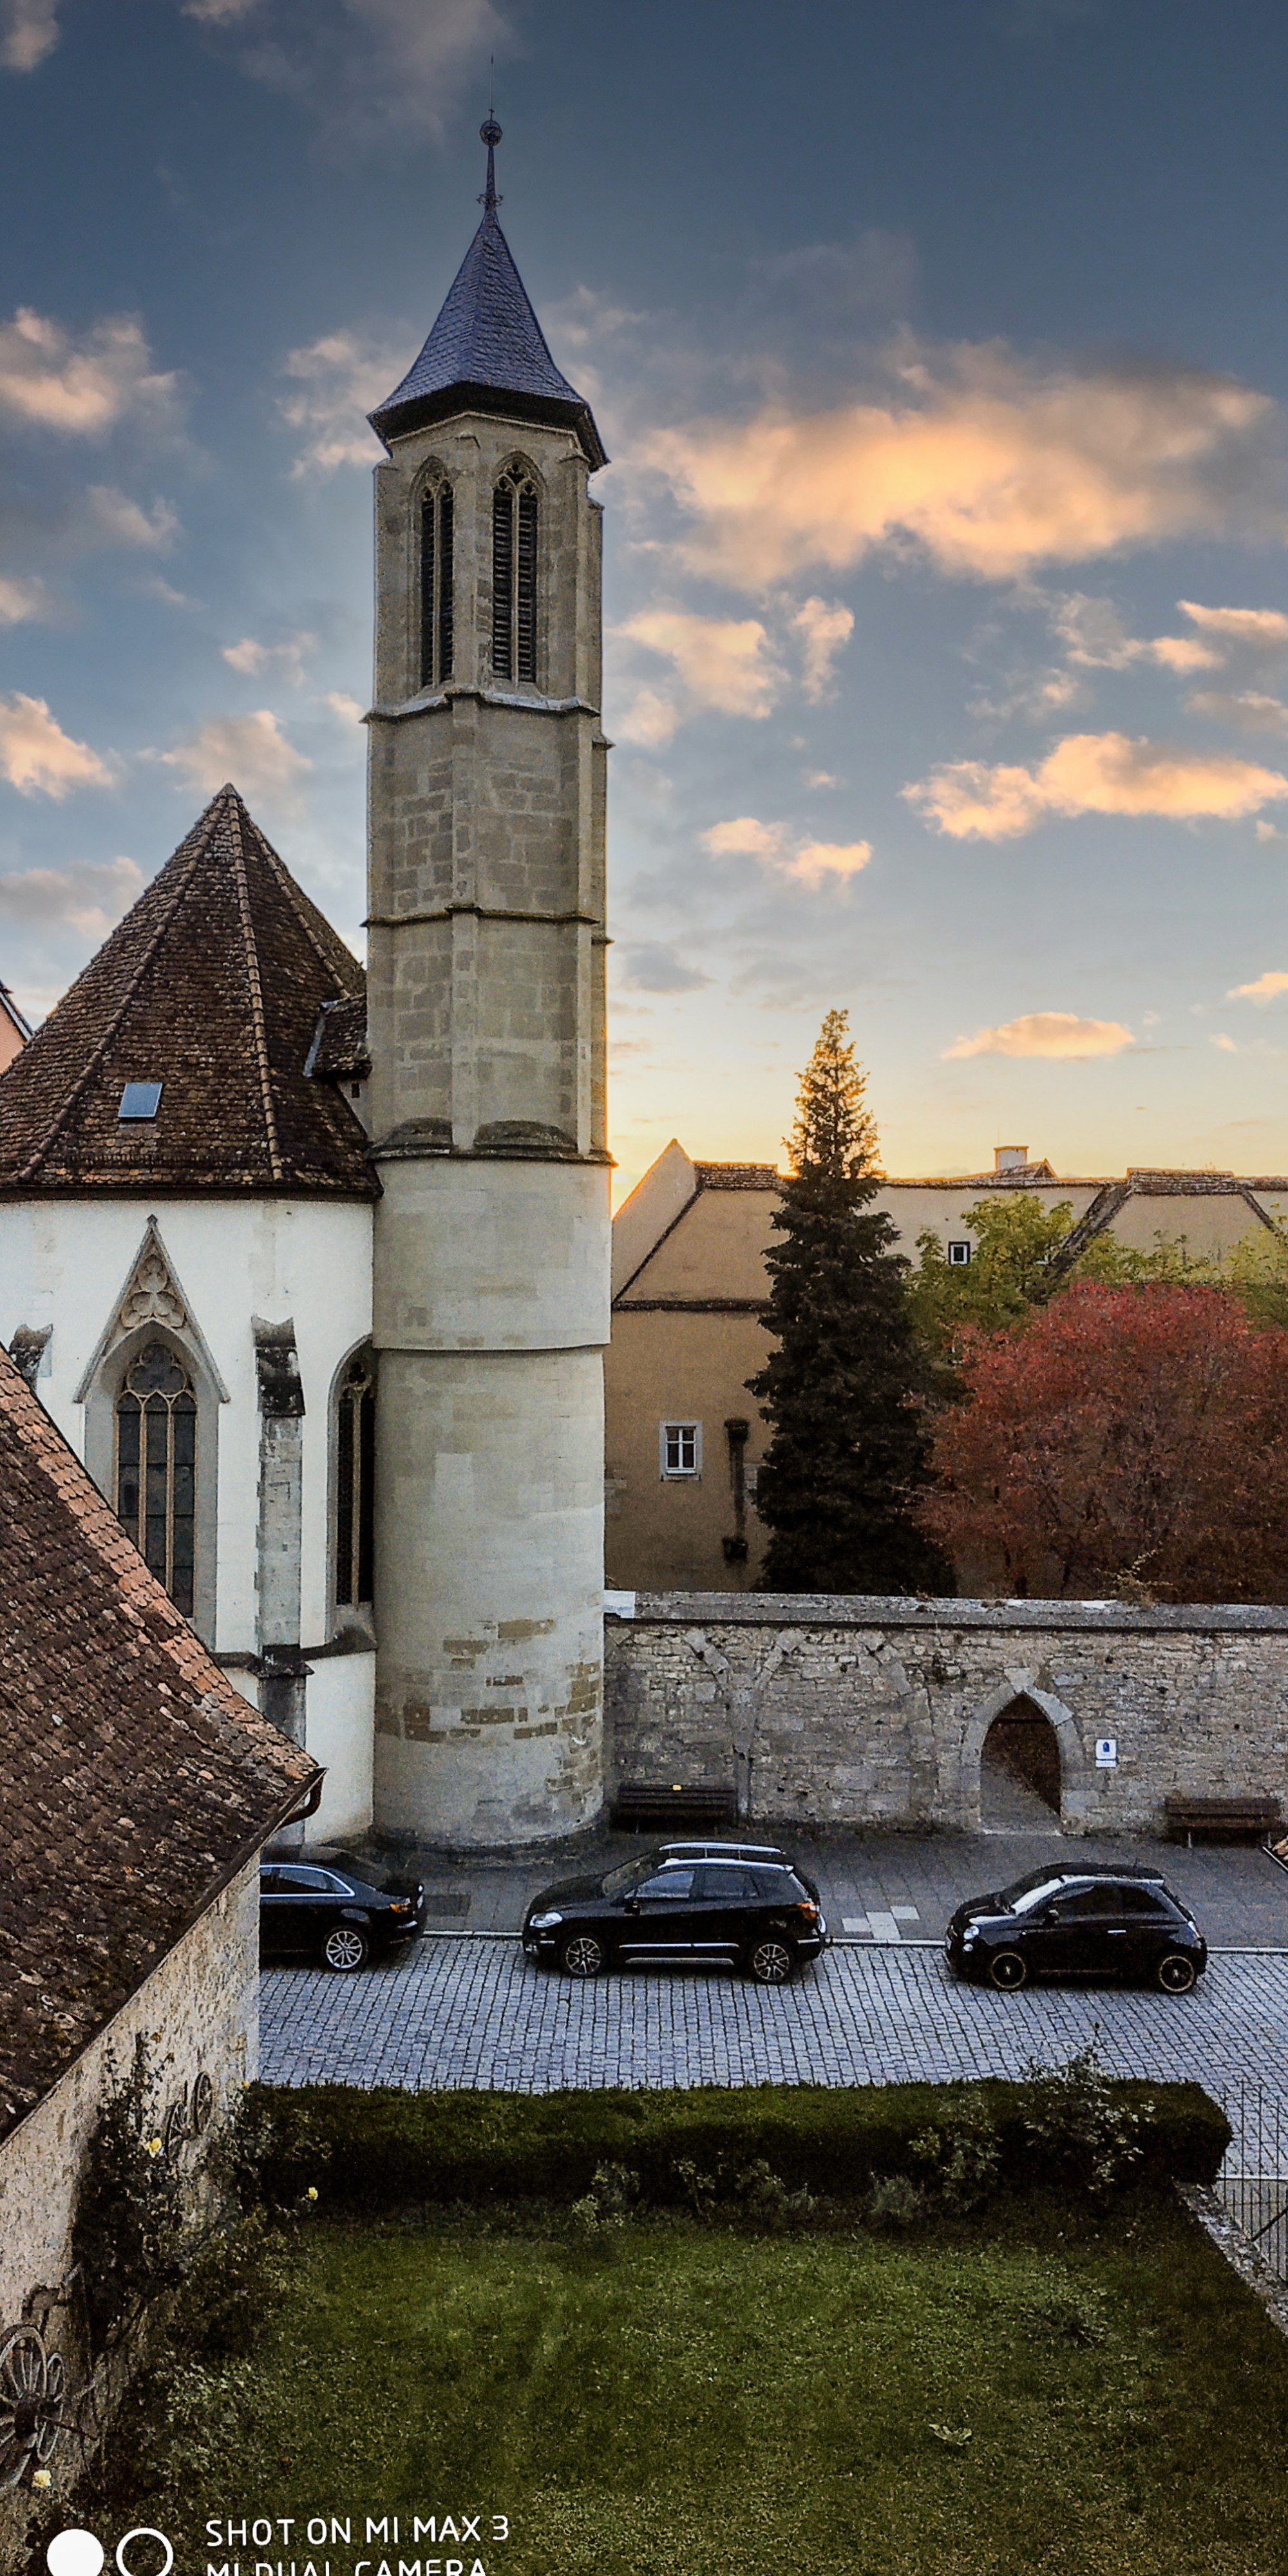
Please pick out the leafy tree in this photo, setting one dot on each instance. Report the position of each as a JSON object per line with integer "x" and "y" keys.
{"x": 840, "y": 1390}
{"x": 1130, "y": 1440}
{"x": 1010, "y": 1271}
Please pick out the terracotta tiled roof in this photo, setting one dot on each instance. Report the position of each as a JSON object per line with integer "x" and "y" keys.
{"x": 212, "y": 987}
{"x": 134, "y": 1780}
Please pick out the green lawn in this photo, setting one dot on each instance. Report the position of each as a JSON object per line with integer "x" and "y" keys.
{"x": 1068, "y": 2394}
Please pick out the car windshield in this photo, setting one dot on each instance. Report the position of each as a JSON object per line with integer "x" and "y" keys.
{"x": 1031, "y": 1891}
{"x": 629, "y": 1874}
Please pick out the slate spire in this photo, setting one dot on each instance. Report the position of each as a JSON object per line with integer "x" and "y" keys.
{"x": 487, "y": 351}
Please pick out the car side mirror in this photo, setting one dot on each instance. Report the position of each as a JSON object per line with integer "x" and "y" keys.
{"x": 630, "y": 1905}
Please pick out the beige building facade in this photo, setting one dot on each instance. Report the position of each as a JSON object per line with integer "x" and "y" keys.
{"x": 684, "y": 1439}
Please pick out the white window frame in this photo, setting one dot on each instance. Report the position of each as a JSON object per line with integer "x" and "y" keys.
{"x": 677, "y": 1434}
{"x": 959, "y": 1254}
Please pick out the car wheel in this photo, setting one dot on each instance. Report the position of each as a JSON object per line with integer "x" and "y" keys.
{"x": 770, "y": 1961}
{"x": 583, "y": 1956}
{"x": 1007, "y": 1971}
{"x": 345, "y": 1949}
{"x": 1175, "y": 1973}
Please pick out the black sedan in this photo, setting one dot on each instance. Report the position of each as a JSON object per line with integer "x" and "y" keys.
{"x": 1085, "y": 1923}
{"x": 724, "y": 1905}
{"x": 333, "y": 1914}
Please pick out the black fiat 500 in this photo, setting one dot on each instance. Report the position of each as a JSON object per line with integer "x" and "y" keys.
{"x": 730, "y": 1905}
{"x": 1086, "y": 1923}
{"x": 332, "y": 1914}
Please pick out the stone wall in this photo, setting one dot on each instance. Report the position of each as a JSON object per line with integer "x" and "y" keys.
{"x": 199, "y": 2012}
{"x": 857, "y": 1711}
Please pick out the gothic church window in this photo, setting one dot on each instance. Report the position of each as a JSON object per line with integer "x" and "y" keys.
{"x": 156, "y": 1467}
{"x": 435, "y": 585}
{"x": 355, "y": 1490}
{"x": 514, "y": 577}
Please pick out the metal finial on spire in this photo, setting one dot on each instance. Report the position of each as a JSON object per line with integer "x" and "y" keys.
{"x": 490, "y": 133}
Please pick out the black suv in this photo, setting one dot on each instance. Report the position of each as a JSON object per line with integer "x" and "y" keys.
{"x": 332, "y": 1913}
{"x": 730, "y": 1904}
{"x": 1088, "y": 1923}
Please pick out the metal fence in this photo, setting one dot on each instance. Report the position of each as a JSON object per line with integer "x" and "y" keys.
{"x": 1253, "y": 2181}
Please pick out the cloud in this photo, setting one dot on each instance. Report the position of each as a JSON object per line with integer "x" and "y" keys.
{"x": 123, "y": 523}
{"x": 364, "y": 66}
{"x": 1266, "y": 989}
{"x": 655, "y": 966}
{"x": 348, "y": 709}
{"x": 1096, "y": 639}
{"x": 1258, "y": 630}
{"x": 721, "y": 664}
{"x": 250, "y": 656}
{"x": 1088, "y": 773}
{"x": 988, "y": 465}
{"x": 20, "y": 600}
{"x": 824, "y": 629}
{"x": 49, "y": 380}
{"x": 28, "y": 32}
{"x": 1059, "y": 1034}
{"x": 820, "y": 778}
{"x": 249, "y": 750}
{"x": 38, "y": 758}
{"x": 90, "y": 896}
{"x": 340, "y": 378}
{"x": 1228, "y": 1046}
{"x": 811, "y": 862}
{"x": 1250, "y": 709}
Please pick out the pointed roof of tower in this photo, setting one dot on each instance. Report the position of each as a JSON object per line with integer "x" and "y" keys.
{"x": 487, "y": 351}
{"x": 211, "y": 990}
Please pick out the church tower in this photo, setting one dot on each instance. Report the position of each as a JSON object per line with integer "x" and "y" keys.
{"x": 486, "y": 1028}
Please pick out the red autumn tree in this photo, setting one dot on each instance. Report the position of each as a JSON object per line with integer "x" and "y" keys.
{"x": 1123, "y": 1438}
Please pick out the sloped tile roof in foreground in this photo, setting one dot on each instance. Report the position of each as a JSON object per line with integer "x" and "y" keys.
{"x": 487, "y": 350}
{"x": 134, "y": 1780}
{"x": 212, "y": 987}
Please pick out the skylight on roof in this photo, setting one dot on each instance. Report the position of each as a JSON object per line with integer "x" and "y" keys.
{"x": 140, "y": 1100}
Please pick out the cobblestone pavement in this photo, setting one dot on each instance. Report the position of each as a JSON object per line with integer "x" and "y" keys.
{"x": 469, "y": 2011}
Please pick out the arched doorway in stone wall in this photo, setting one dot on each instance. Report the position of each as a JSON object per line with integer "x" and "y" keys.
{"x": 1019, "y": 1771}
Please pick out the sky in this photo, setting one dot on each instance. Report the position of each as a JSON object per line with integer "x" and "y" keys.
{"x": 940, "y": 351}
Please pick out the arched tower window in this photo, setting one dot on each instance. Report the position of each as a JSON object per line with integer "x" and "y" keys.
{"x": 156, "y": 1467}
{"x": 514, "y": 576}
{"x": 435, "y": 584}
{"x": 355, "y": 1484}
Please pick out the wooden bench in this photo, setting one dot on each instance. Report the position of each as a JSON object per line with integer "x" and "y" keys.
{"x": 1228, "y": 1820}
{"x": 658, "y": 1807}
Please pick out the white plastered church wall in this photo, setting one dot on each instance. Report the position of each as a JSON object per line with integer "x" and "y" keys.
{"x": 64, "y": 1263}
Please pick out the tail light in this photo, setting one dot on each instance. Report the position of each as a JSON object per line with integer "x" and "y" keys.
{"x": 808, "y": 1913}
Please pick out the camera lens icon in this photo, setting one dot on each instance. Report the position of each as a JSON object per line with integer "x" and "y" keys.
{"x": 78, "y": 2553}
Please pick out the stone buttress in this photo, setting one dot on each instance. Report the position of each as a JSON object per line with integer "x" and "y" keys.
{"x": 487, "y": 773}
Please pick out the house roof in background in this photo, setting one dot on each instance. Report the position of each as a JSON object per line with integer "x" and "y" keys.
{"x": 134, "y": 1780}
{"x": 212, "y": 988}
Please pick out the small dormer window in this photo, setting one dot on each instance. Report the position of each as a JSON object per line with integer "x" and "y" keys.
{"x": 140, "y": 1100}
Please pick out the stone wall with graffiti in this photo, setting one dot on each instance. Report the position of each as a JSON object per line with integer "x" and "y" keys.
{"x": 906, "y": 1712}
{"x": 198, "y": 2015}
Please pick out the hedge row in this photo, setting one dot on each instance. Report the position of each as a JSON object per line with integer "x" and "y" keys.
{"x": 386, "y": 2148}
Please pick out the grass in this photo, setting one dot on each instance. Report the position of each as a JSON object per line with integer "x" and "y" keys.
{"x": 1040, "y": 2392}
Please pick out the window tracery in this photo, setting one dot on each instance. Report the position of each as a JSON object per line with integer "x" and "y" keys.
{"x": 156, "y": 1468}
{"x": 436, "y": 603}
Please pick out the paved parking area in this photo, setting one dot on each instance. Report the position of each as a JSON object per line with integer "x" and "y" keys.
{"x": 474, "y": 2012}
{"x": 885, "y": 1886}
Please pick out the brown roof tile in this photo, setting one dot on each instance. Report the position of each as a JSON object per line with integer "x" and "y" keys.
{"x": 134, "y": 1780}
{"x": 212, "y": 986}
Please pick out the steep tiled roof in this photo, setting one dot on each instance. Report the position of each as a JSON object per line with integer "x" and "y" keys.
{"x": 487, "y": 350}
{"x": 134, "y": 1780}
{"x": 212, "y": 987}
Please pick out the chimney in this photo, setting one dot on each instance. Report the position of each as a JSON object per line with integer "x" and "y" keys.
{"x": 1010, "y": 1158}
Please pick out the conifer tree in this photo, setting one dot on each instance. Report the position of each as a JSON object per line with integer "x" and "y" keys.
{"x": 847, "y": 1453}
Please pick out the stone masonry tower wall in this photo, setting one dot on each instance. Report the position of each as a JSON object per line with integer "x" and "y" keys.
{"x": 486, "y": 999}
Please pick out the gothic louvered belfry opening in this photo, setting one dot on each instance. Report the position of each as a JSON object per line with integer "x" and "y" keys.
{"x": 436, "y": 585}
{"x": 514, "y": 577}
